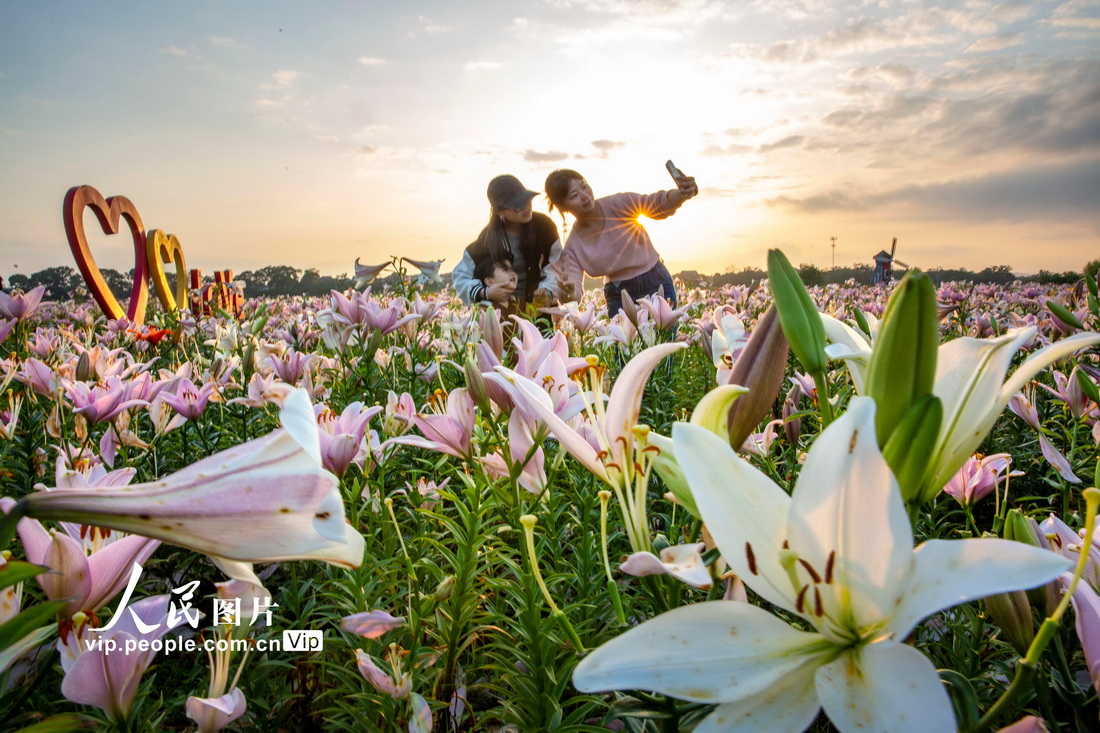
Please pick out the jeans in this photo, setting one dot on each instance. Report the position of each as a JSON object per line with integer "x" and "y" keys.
{"x": 656, "y": 280}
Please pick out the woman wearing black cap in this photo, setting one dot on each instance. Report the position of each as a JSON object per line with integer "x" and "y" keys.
{"x": 529, "y": 240}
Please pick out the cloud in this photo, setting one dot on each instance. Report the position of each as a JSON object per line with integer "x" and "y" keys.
{"x": 1044, "y": 193}
{"x": 551, "y": 156}
{"x": 371, "y": 61}
{"x": 476, "y": 66}
{"x": 604, "y": 147}
{"x": 223, "y": 41}
{"x": 996, "y": 43}
{"x": 285, "y": 78}
{"x": 1007, "y": 13}
{"x": 791, "y": 141}
{"x": 174, "y": 51}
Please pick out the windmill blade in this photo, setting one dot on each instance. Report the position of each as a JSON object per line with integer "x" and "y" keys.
{"x": 899, "y": 262}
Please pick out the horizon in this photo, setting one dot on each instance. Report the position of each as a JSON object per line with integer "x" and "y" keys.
{"x": 281, "y": 134}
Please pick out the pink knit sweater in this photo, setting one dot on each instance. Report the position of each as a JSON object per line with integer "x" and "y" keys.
{"x": 623, "y": 249}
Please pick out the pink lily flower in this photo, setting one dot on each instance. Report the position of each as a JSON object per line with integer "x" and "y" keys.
{"x": 1057, "y": 460}
{"x": 395, "y": 683}
{"x": 361, "y": 310}
{"x": 371, "y": 624}
{"x": 617, "y": 462}
{"x": 683, "y": 562}
{"x": 39, "y": 377}
{"x": 760, "y": 444}
{"x": 1086, "y": 610}
{"x": 532, "y": 476}
{"x": 428, "y": 491}
{"x": 110, "y": 681}
{"x": 661, "y": 312}
{"x": 449, "y": 432}
{"x": 266, "y": 500}
{"x": 263, "y": 391}
{"x": 364, "y": 274}
{"x": 102, "y": 402}
{"x": 189, "y": 400}
{"x": 979, "y": 476}
{"x": 1069, "y": 392}
{"x": 342, "y": 436}
{"x": 214, "y": 714}
{"x": 20, "y": 306}
{"x": 291, "y": 365}
{"x": 399, "y": 413}
{"x": 6, "y": 327}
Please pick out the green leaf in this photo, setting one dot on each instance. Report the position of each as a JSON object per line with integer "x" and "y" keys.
{"x": 28, "y": 620}
{"x": 17, "y": 571}
{"x": 61, "y": 723}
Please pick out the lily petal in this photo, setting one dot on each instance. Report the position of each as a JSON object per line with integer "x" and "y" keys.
{"x": 847, "y": 512}
{"x": 947, "y": 572}
{"x": 682, "y": 562}
{"x": 752, "y": 508}
{"x": 677, "y": 652}
{"x": 626, "y": 398}
{"x": 890, "y": 687}
{"x": 788, "y": 706}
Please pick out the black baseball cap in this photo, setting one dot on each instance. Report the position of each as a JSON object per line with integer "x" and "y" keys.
{"x": 506, "y": 192}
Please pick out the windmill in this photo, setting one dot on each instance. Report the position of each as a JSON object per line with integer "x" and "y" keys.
{"x": 884, "y": 262}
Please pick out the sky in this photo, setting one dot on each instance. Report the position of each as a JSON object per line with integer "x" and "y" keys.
{"x": 310, "y": 134}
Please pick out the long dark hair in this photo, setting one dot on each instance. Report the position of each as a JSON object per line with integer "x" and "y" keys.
{"x": 557, "y": 186}
{"x": 494, "y": 237}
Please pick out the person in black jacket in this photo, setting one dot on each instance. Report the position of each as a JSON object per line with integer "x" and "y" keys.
{"x": 517, "y": 234}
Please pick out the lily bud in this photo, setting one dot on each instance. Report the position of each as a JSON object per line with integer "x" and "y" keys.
{"x": 1086, "y": 386}
{"x": 491, "y": 332}
{"x": 1020, "y": 528}
{"x": 445, "y": 588}
{"x": 797, "y": 313}
{"x": 476, "y": 386}
{"x": 792, "y": 428}
{"x": 83, "y": 367}
{"x": 910, "y": 444}
{"x": 1012, "y": 612}
{"x": 903, "y": 365}
{"x": 629, "y": 309}
{"x": 760, "y": 368}
{"x": 1064, "y": 315}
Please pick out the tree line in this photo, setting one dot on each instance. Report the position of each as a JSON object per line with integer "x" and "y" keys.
{"x": 62, "y": 282}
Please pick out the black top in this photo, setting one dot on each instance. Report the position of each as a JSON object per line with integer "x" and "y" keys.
{"x": 536, "y": 239}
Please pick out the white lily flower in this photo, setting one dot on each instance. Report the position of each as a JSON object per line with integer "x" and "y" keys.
{"x": 970, "y": 382}
{"x": 839, "y": 554}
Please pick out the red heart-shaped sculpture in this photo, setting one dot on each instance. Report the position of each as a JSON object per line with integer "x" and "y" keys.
{"x": 108, "y": 211}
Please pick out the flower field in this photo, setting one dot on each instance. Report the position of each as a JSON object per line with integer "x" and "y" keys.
{"x": 773, "y": 509}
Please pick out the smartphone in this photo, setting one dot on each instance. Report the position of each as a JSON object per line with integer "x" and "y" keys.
{"x": 673, "y": 170}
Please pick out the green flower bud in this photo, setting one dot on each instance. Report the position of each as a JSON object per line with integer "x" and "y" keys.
{"x": 903, "y": 365}
{"x": 910, "y": 445}
{"x": 1012, "y": 612}
{"x": 797, "y": 313}
{"x": 1064, "y": 314}
{"x": 445, "y": 588}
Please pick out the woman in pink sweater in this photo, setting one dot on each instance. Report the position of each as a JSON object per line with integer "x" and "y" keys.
{"x": 607, "y": 239}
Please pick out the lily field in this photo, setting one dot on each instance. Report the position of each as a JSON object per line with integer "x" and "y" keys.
{"x": 771, "y": 509}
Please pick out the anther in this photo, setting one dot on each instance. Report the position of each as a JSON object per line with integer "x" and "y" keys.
{"x": 751, "y": 558}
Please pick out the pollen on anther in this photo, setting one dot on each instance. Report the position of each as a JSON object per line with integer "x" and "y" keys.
{"x": 801, "y": 598}
{"x": 810, "y": 570}
{"x": 829, "y": 567}
{"x": 817, "y": 602}
{"x": 751, "y": 558}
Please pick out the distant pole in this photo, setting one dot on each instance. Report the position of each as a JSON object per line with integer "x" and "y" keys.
{"x": 834, "y": 251}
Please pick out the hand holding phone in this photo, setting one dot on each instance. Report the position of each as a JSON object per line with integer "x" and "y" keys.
{"x": 686, "y": 184}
